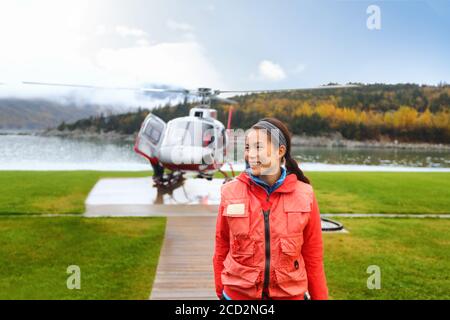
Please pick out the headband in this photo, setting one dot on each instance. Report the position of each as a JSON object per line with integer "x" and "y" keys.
{"x": 269, "y": 126}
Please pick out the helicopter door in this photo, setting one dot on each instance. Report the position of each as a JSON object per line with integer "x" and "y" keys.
{"x": 150, "y": 136}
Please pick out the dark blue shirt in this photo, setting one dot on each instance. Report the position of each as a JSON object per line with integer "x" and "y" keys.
{"x": 269, "y": 189}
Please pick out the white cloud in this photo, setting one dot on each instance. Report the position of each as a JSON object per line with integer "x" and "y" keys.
{"x": 126, "y": 31}
{"x": 268, "y": 70}
{"x": 179, "y": 26}
{"x": 48, "y": 41}
{"x": 101, "y": 30}
{"x": 180, "y": 63}
{"x": 142, "y": 42}
{"x": 121, "y": 30}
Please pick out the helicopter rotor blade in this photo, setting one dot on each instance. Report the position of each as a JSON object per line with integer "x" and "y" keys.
{"x": 200, "y": 92}
{"x": 288, "y": 90}
{"x": 225, "y": 100}
{"x": 83, "y": 86}
{"x": 183, "y": 91}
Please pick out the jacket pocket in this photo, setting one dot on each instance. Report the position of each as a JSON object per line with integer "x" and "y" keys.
{"x": 243, "y": 246}
{"x": 290, "y": 251}
{"x": 239, "y": 275}
{"x": 298, "y": 212}
{"x": 243, "y": 250}
{"x": 291, "y": 273}
{"x": 297, "y": 221}
{"x": 285, "y": 275}
{"x": 238, "y": 217}
{"x": 291, "y": 246}
{"x": 291, "y": 282}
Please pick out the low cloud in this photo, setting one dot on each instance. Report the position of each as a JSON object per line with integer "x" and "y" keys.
{"x": 49, "y": 47}
{"x": 179, "y": 26}
{"x": 182, "y": 64}
{"x": 126, "y": 31}
{"x": 270, "y": 71}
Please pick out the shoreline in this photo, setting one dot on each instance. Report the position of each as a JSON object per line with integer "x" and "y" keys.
{"x": 331, "y": 141}
{"x": 337, "y": 141}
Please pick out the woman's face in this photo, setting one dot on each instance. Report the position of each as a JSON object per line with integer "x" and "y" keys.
{"x": 263, "y": 157}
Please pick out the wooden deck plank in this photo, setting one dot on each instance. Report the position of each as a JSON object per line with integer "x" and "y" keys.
{"x": 185, "y": 270}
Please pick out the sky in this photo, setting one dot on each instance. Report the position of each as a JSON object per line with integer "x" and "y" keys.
{"x": 228, "y": 45}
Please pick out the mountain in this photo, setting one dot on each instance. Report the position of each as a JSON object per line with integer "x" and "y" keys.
{"x": 382, "y": 112}
{"x": 42, "y": 113}
{"x": 37, "y": 114}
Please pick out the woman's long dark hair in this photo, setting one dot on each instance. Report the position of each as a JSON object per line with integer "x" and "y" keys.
{"x": 291, "y": 164}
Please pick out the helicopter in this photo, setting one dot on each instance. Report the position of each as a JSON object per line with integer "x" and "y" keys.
{"x": 194, "y": 143}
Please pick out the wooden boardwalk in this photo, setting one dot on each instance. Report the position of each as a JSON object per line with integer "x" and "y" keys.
{"x": 185, "y": 270}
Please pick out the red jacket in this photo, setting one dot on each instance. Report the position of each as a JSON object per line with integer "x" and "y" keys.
{"x": 270, "y": 243}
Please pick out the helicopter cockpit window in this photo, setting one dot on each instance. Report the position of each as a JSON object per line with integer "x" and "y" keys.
{"x": 153, "y": 130}
{"x": 221, "y": 139}
{"x": 190, "y": 133}
{"x": 208, "y": 135}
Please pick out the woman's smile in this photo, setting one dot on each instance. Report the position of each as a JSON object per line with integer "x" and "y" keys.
{"x": 255, "y": 164}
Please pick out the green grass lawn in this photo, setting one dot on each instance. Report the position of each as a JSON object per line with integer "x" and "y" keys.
{"x": 117, "y": 257}
{"x": 382, "y": 192}
{"x": 39, "y": 192}
{"x": 413, "y": 256}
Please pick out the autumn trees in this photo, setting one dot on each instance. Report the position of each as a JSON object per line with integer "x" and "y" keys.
{"x": 404, "y": 112}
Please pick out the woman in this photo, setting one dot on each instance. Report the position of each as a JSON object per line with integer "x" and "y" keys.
{"x": 268, "y": 234}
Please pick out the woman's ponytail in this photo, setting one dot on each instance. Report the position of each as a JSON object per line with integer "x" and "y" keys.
{"x": 292, "y": 167}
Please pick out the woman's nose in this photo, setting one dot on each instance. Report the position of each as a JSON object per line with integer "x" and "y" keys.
{"x": 252, "y": 154}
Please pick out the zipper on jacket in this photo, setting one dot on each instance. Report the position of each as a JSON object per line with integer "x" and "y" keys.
{"x": 267, "y": 250}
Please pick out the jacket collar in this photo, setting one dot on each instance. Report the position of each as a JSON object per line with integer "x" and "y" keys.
{"x": 269, "y": 188}
{"x": 287, "y": 186}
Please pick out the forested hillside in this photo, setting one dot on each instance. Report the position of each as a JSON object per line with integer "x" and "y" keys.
{"x": 404, "y": 112}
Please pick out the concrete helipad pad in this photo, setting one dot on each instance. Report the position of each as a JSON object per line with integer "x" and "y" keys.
{"x": 138, "y": 197}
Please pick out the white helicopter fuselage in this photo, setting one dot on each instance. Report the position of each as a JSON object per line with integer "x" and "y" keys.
{"x": 193, "y": 143}
{"x": 188, "y": 144}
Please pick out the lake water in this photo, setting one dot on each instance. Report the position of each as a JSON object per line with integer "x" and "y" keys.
{"x": 28, "y": 152}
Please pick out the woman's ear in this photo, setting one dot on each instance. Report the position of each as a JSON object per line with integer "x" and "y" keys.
{"x": 282, "y": 152}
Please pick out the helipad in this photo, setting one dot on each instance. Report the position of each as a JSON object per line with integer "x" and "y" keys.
{"x": 137, "y": 197}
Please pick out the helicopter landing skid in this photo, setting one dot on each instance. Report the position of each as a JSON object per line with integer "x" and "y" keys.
{"x": 169, "y": 181}
{"x": 226, "y": 176}
{"x": 206, "y": 176}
